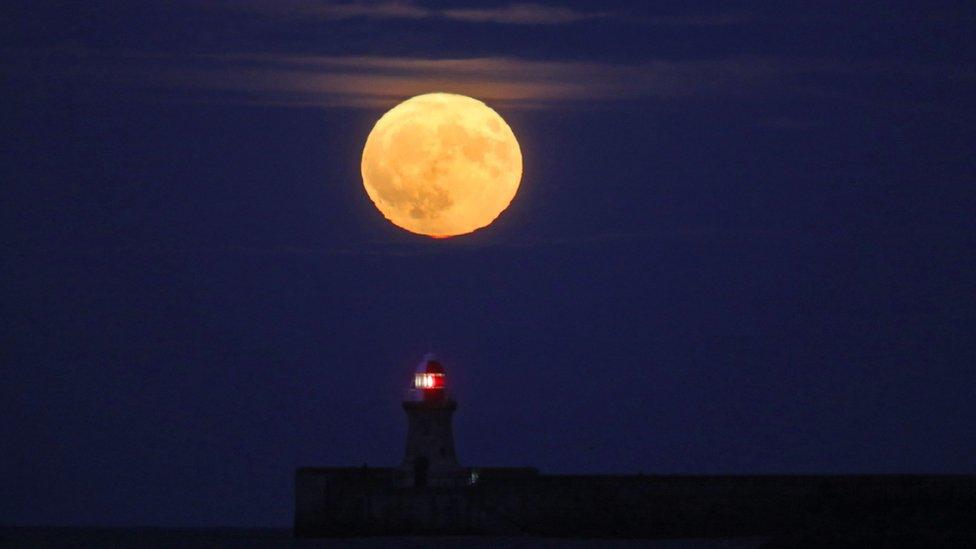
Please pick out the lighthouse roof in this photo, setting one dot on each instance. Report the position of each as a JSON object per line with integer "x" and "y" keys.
{"x": 433, "y": 367}
{"x": 430, "y": 365}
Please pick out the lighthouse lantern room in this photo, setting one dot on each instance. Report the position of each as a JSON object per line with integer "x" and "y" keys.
{"x": 429, "y": 380}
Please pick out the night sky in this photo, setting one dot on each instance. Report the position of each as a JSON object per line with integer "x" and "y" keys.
{"x": 743, "y": 243}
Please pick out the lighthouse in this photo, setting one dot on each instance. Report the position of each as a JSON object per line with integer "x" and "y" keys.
{"x": 429, "y": 493}
{"x": 429, "y": 459}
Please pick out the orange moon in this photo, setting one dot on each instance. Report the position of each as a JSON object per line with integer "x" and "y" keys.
{"x": 441, "y": 165}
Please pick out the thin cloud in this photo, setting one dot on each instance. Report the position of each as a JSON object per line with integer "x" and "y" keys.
{"x": 516, "y": 13}
{"x": 333, "y": 10}
{"x": 377, "y": 81}
{"x": 512, "y": 14}
{"x": 382, "y": 81}
{"x": 523, "y": 14}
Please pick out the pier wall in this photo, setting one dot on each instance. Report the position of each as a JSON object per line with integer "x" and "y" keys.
{"x": 345, "y": 502}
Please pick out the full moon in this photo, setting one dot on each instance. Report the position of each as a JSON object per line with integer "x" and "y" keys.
{"x": 441, "y": 165}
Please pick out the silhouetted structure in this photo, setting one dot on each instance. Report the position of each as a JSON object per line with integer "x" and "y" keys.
{"x": 431, "y": 494}
{"x": 430, "y": 459}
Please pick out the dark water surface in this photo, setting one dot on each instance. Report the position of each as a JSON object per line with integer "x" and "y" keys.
{"x": 230, "y": 537}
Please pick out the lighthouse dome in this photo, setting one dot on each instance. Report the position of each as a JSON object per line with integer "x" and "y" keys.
{"x": 430, "y": 367}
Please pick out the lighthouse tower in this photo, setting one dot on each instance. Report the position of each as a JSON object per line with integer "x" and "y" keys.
{"x": 430, "y": 459}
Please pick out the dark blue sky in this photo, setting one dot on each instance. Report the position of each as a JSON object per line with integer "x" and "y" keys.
{"x": 744, "y": 243}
